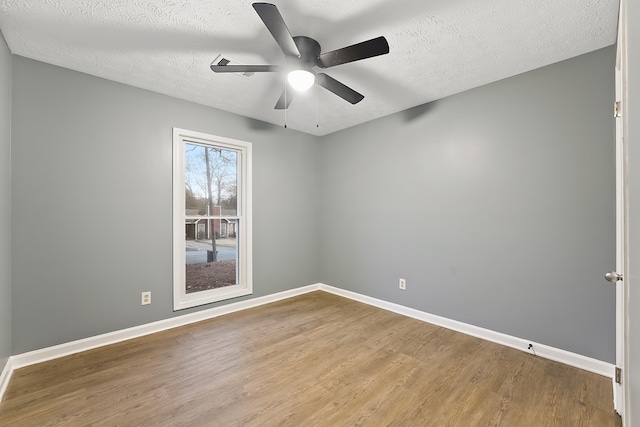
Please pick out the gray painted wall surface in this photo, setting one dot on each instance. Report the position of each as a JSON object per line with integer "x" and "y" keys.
{"x": 497, "y": 205}
{"x": 633, "y": 191}
{"x": 511, "y": 177}
{"x": 5, "y": 202}
{"x": 92, "y": 203}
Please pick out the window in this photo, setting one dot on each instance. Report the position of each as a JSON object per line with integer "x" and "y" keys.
{"x": 211, "y": 218}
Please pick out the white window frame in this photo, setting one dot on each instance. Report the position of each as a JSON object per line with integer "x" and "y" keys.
{"x": 244, "y": 272}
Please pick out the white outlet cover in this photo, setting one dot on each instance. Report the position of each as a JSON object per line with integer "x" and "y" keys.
{"x": 145, "y": 298}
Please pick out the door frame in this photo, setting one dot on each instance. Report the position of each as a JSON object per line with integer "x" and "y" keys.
{"x": 620, "y": 390}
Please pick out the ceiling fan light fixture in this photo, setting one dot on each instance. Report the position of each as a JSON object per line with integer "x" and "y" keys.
{"x": 301, "y": 80}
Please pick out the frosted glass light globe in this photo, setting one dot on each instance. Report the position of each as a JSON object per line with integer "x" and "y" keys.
{"x": 301, "y": 80}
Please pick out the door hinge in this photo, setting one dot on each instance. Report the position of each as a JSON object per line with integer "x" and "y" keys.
{"x": 618, "y": 375}
{"x": 617, "y": 109}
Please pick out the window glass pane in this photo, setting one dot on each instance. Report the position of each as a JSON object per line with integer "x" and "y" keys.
{"x": 211, "y": 263}
{"x": 211, "y": 181}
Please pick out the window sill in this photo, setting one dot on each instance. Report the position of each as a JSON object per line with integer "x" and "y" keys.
{"x": 211, "y": 296}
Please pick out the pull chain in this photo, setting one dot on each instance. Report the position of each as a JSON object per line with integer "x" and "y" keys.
{"x": 285, "y": 103}
{"x": 317, "y": 107}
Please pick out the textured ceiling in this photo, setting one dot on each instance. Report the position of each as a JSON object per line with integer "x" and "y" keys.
{"x": 437, "y": 47}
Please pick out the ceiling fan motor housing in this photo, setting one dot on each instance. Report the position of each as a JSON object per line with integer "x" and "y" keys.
{"x": 309, "y": 50}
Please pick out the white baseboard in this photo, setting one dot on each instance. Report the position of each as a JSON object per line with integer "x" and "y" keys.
{"x": 552, "y": 353}
{"x": 5, "y": 377}
{"x": 49, "y": 353}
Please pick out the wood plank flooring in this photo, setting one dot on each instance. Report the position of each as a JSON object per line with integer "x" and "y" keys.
{"x": 313, "y": 360}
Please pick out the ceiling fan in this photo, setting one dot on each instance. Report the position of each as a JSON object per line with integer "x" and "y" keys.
{"x": 302, "y": 54}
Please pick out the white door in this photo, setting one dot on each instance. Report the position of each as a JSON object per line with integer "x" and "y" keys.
{"x": 620, "y": 273}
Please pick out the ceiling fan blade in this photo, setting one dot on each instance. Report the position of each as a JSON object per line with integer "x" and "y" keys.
{"x": 244, "y": 68}
{"x": 343, "y": 91}
{"x": 286, "y": 94}
{"x": 355, "y": 52}
{"x": 275, "y": 24}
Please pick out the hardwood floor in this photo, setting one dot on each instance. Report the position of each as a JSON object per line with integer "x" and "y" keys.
{"x": 313, "y": 360}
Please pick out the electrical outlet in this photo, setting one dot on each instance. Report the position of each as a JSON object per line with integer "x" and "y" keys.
{"x": 146, "y": 298}
{"x": 403, "y": 284}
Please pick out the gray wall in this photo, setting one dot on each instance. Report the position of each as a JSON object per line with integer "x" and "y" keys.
{"x": 92, "y": 203}
{"x": 5, "y": 202}
{"x": 633, "y": 146}
{"x": 497, "y": 205}
{"x": 514, "y": 177}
